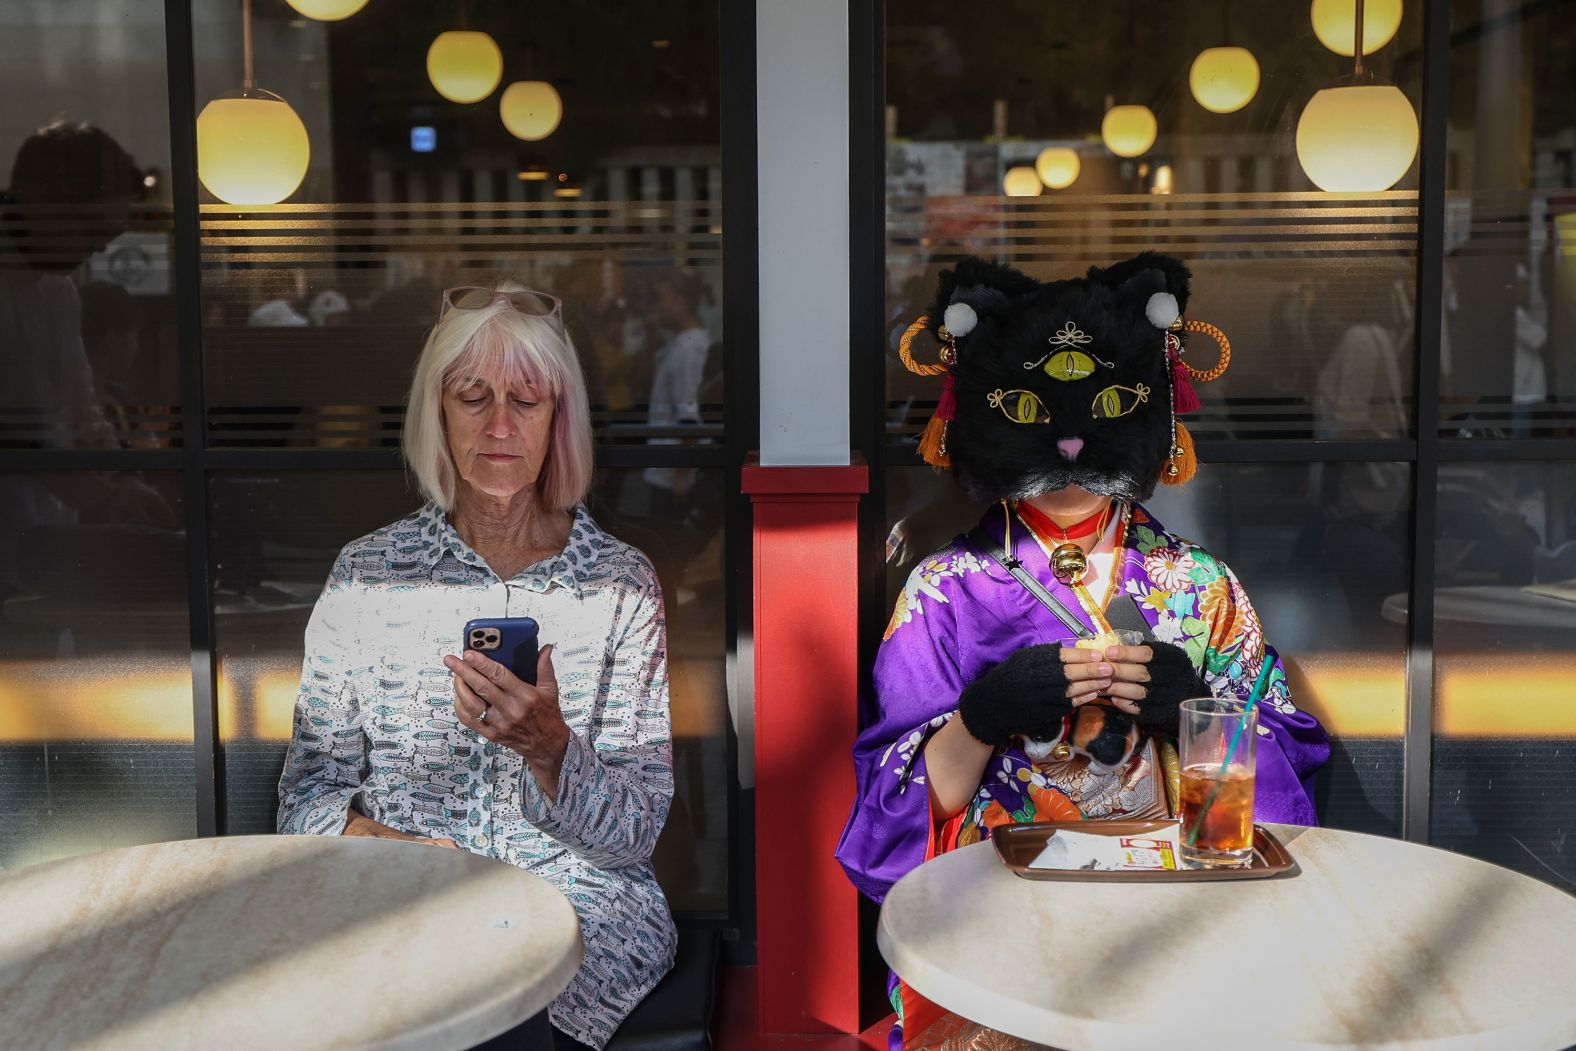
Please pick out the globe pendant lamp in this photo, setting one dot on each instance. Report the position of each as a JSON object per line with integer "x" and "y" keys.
{"x": 1021, "y": 181}
{"x": 327, "y": 10}
{"x": 1224, "y": 79}
{"x": 1360, "y": 136}
{"x": 252, "y": 148}
{"x": 1058, "y": 167}
{"x": 530, "y": 109}
{"x": 1129, "y": 130}
{"x": 1335, "y": 24}
{"x": 464, "y": 65}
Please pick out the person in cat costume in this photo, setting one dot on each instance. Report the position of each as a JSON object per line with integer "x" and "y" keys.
{"x": 1059, "y": 412}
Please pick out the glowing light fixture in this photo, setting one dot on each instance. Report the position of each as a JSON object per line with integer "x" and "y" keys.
{"x": 464, "y": 65}
{"x": 1359, "y": 136}
{"x": 251, "y": 148}
{"x": 531, "y": 109}
{"x": 1224, "y": 79}
{"x": 327, "y": 10}
{"x": 1335, "y": 24}
{"x": 1164, "y": 180}
{"x": 1058, "y": 167}
{"x": 1129, "y": 131}
{"x": 1021, "y": 181}
{"x": 568, "y": 192}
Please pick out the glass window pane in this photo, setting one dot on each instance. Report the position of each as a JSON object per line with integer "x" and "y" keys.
{"x": 1508, "y": 357}
{"x": 87, "y": 307}
{"x": 1314, "y": 289}
{"x": 95, "y": 703}
{"x": 1504, "y": 710}
{"x": 275, "y": 538}
{"x": 1329, "y": 586}
{"x": 315, "y": 309}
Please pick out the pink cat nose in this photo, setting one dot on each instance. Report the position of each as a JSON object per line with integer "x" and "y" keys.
{"x": 1070, "y": 447}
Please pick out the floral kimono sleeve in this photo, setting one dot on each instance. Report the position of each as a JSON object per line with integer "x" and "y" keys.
{"x": 913, "y": 692}
{"x": 1232, "y": 654}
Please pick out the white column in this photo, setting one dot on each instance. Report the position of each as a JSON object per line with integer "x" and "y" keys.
{"x": 801, "y": 108}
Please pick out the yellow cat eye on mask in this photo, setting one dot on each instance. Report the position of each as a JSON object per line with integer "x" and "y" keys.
{"x": 1068, "y": 364}
{"x": 1117, "y": 401}
{"x": 1019, "y": 406}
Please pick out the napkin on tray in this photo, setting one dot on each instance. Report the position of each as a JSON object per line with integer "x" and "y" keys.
{"x": 1152, "y": 851}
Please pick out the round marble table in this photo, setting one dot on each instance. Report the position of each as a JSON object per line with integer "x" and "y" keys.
{"x": 299, "y": 942}
{"x": 1369, "y": 943}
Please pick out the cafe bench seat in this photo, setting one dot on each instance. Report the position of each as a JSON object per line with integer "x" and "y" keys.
{"x": 677, "y": 1014}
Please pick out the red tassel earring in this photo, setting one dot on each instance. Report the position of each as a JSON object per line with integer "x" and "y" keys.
{"x": 1184, "y": 398}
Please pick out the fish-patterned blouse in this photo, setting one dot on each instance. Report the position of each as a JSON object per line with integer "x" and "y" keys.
{"x": 375, "y": 723}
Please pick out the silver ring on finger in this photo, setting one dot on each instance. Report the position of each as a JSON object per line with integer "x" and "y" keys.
{"x": 483, "y": 717}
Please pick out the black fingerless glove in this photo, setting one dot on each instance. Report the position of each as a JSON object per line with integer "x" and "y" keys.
{"x": 1172, "y": 680}
{"x": 1024, "y": 694}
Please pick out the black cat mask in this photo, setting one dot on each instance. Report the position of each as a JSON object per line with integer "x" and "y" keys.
{"x": 1051, "y": 384}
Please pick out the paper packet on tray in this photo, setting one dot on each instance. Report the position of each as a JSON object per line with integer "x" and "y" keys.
{"x": 1153, "y": 851}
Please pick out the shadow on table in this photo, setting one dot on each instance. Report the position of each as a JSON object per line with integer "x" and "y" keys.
{"x": 22, "y": 962}
{"x": 1392, "y": 983}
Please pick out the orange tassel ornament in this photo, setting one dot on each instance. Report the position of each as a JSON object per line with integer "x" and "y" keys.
{"x": 1182, "y": 464}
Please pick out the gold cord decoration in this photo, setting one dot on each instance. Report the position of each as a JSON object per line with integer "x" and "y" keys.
{"x": 906, "y": 353}
{"x": 1225, "y": 351}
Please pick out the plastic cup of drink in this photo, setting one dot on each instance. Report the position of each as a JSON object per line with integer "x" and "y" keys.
{"x": 1217, "y": 790}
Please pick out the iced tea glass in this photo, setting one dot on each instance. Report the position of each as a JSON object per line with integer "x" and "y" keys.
{"x": 1217, "y": 788}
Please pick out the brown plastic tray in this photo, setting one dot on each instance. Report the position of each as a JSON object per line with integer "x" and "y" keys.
{"x": 1017, "y": 845}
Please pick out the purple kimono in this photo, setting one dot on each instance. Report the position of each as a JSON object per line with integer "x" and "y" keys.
{"x": 960, "y": 615}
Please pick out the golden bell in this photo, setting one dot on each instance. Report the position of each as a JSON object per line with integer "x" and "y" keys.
{"x": 1069, "y": 563}
{"x": 1061, "y": 752}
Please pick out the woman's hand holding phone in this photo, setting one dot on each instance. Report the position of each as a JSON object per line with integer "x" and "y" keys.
{"x": 494, "y": 702}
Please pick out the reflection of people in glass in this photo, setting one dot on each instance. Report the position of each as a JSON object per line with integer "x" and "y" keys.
{"x": 677, "y": 372}
{"x": 71, "y": 192}
{"x": 111, "y": 323}
{"x": 1529, "y": 375}
{"x": 397, "y": 736}
{"x": 1363, "y": 392}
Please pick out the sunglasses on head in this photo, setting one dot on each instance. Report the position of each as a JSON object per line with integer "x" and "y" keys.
{"x": 522, "y": 301}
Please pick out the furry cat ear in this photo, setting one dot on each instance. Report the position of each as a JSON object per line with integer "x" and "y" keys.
{"x": 1138, "y": 279}
{"x": 976, "y": 288}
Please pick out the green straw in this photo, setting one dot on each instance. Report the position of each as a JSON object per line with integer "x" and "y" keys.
{"x": 1231, "y": 748}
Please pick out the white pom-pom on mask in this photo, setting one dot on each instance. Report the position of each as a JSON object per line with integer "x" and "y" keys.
{"x": 960, "y": 319}
{"x": 1162, "y": 310}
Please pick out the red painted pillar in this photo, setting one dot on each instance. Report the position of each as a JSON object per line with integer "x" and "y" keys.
{"x": 806, "y": 710}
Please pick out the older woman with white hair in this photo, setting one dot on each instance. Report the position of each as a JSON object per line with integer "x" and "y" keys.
{"x": 402, "y": 733}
